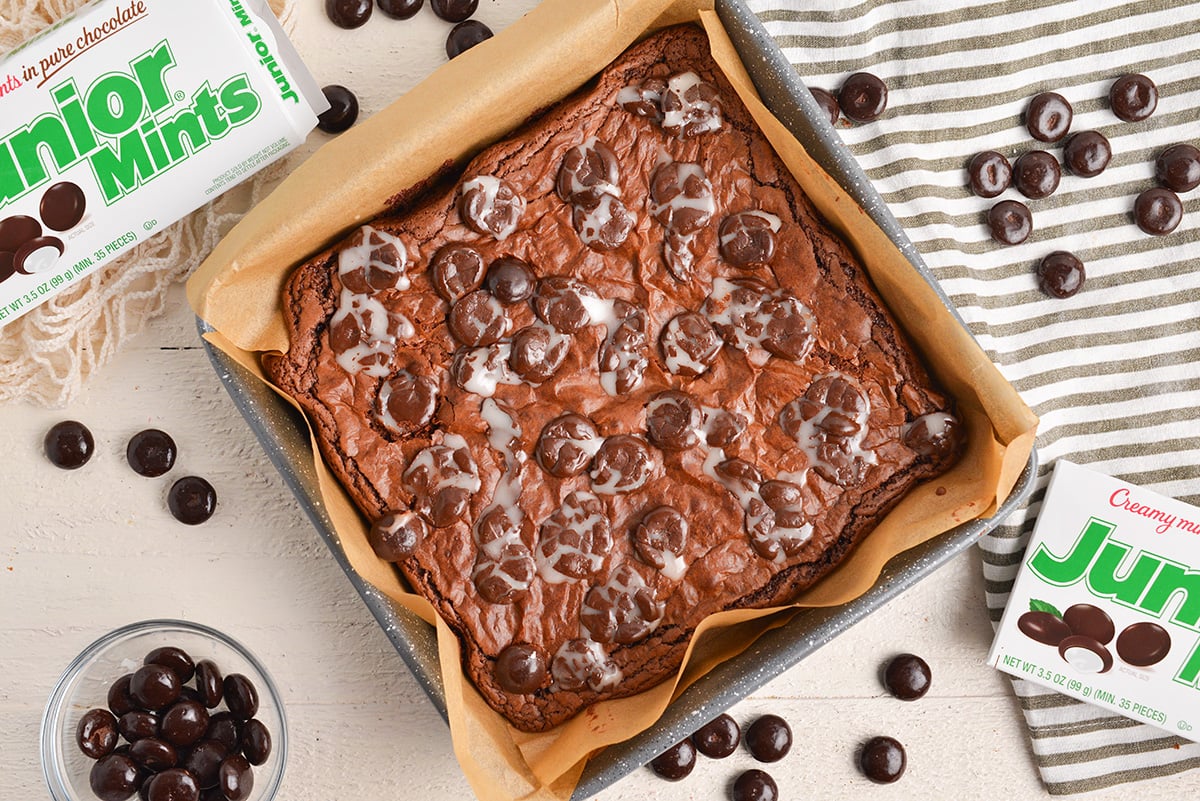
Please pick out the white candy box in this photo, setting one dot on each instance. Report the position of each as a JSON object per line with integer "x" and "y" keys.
{"x": 126, "y": 116}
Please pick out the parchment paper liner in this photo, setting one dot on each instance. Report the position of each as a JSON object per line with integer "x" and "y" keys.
{"x": 473, "y": 100}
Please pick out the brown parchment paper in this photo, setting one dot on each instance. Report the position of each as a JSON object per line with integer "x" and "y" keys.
{"x": 468, "y": 103}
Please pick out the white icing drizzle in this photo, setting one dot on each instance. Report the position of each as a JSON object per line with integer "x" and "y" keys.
{"x": 381, "y": 330}
{"x": 935, "y": 423}
{"x": 585, "y": 661}
{"x": 488, "y": 368}
{"x": 772, "y": 220}
{"x": 809, "y": 433}
{"x": 490, "y": 186}
{"x": 744, "y": 323}
{"x": 617, "y": 480}
{"x": 626, "y": 605}
{"x": 595, "y": 218}
{"x": 580, "y": 522}
{"x": 362, "y": 256}
{"x": 691, "y": 109}
{"x": 601, "y": 188}
{"x": 428, "y": 459}
{"x": 706, "y": 203}
{"x": 503, "y": 434}
{"x": 674, "y": 567}
{"x": 602, "y": 311}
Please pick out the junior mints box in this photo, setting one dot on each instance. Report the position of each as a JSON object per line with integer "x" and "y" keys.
{"x": 1106, "y": 607}
{"x": 127, "y": 115}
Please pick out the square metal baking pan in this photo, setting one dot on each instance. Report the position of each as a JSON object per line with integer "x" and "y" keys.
{"x": 285, "y": 438}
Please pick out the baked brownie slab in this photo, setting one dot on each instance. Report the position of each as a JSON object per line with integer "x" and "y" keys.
{"x": 617, "y": 377}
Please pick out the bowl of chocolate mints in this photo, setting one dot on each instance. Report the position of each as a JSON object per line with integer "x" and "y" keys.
{"x": 164, "y": 710}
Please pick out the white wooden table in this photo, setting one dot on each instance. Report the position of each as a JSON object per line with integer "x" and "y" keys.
{"x": 89, "y": 550}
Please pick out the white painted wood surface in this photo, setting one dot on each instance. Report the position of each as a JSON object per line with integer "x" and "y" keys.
{"x": 86, "y": 551}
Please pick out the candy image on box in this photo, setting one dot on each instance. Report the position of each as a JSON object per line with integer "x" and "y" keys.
{"x": 1106, "y": 607}
{"x": 125, "y": 116}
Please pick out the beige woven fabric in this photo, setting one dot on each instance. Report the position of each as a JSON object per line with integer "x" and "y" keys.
{"x": 48, "y": 354}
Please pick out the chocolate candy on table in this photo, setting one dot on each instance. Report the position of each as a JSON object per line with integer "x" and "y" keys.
{"x": 97, "y": 733}
{"x": 465, "y": 35}
{"x": 863, "y": 97}
{"x": 192, "y": 500}
{"x": 907, "y": 677}
{"x": 676, "y": 762}
{"x": 256, "y": 741}
{"x": 718, "y": 738}
{"x": 769, "y": 738}
{"x": 1048, "y": 117}
{"x": 1036, "y": 174}
{"x": 69, "y": 444}
{"x": 1143, "y": 644}
{"x": 151, "y": 453}
{"x": 828, "y": 103}
{"x": 1043, "y": 627}
{"x": 1087, "y": 153}
{"x": 1133, "y": 97}
{"x": 1178, "y": 168}
{"x": 882, "y": 760}
{"x": 1010, "y": 222}
{"x": 342, "y": 111}
{"x": 240, "y": 696}
{"x": 990, "y": 173}
{"x": 754, "y": 785}
{"x": 454, "y": 10}
{"x": 349, "y": 14}
{"x": 1158, "y": 211}
{"x": 62, "y": 206}
{"x": 235, "y": 778}
{"x": 114, "y": 777}
{"x": 1090, "y": 621}
{"x": 400, "y": 9}
{"x": 1060, "y": 275}
{"x": 173, "y": 784}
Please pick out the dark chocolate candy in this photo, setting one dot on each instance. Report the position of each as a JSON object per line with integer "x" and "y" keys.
{"x": 1048, "y": 117}
{"x": 1133, "y": 97}
{"x": 1158, "y": 211}
{"x": 119, "y": 700}
{"x": 225, "y": 729}
{"x": 174, "y": 658}
{"x": 769, "y": 738}
{"x": 1143, "y": 644}
{"x": 907, "y": 677}
{"x": 537, "y": 353}
{"x": 454, "y": 10}
{"x": 882, "y": 759}
{"x": 1085, "y": 654}
{"x": 192, "y": 500}
{"x": 521, "y": 668}
{"x": 348, "y": 14}
{"x": 151, "y": 453}
{"x": 990, "y": 173}
{"x": 184, "y": 723}
{"x": 342, "y": 111}
{"x": 828, "y": 103}
{"x": 1010, "y": 222}
{"x": 661, "y": 535}
{"x": 718, "y": 738}
{"x": 863, "y": 97}
{"x": 69, "y": 445}
{"x": 689, "y": 344}
{"x": 1061, "y": 274}
{"x": 240, "y": 696}
{"x": 1087, "y": 153}
{"x": 154, "y": 754}
{"x": 114, "y": 777}
{"x": 673, "y": 420}
{"x": 38, "y": 255}
{"x": 1178, "y": 168}
{"x": 203, "y": 762}
{"x": 478, "y": 318}
{"x": 396, "y": 535}
{"x": 676, "y": 762}
{"x": 8, "y": 265}
{"x": 511, "y": 280}
{"x": 235, "y": 778}
{"x": 62, "y": 206}
{"x": 400, "y": 9}
{"x": 456, "y": 269}
{"x": 754, "y": 785}
{"x": 97, "y": 733}
{"x": 154, "y": 686}
{"x": 256, "y": 741}
{"x": 748, "y": 238}
{"x": 173, "y": 784}
{"x": 208, "y": 683}
{"x": 1036, "y": 174}
{"x": 465, "y": 35}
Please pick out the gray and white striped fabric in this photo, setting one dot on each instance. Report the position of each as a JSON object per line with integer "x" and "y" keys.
{"x": 1114, "y": 372}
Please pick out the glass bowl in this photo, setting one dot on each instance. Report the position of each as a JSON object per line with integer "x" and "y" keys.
{"x": 85, "y": 684}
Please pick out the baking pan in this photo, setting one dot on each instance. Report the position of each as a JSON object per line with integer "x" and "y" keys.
{"x": 284, "y": 436}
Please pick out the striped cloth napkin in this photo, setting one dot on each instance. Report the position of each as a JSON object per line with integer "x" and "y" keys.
{"x": 1113, "y": 372}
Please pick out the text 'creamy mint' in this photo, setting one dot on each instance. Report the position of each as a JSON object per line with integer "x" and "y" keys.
{"x": 126, "y": 116}
{"x": 1106, "y": 607}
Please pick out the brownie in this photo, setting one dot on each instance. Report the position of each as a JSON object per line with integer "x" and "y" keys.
{"x": 615, "y": 377}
